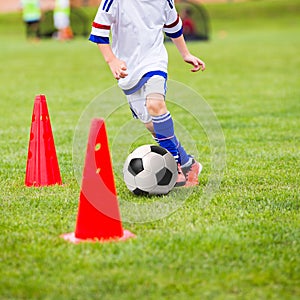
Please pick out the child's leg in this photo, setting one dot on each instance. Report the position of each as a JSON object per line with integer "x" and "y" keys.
{"x": 163, "y": 127}
{"x": 29, "y": 31}
{"x": 32, "y": 29}
{"x": 148, "y": 105}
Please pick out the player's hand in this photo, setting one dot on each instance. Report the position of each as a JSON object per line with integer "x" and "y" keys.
{"x": 196, "y": 62}
{"x": 118, "y": 68}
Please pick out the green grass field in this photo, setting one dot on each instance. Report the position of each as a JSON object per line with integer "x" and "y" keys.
{"x": 242, "y": 244}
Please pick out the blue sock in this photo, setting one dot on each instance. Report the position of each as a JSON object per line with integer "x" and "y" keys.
{"x": 164, "y": 131}
{"x": 183, "y": 156}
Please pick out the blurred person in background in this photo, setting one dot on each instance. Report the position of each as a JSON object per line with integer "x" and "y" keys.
{"x": 62, "y": 19}
{"x": 189, "y": 28}
{"x": 31, "y": 16}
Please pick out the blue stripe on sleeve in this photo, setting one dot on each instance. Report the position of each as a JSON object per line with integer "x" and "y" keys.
{"x": 99, "y": 39}
{"x": 109, "y": 5}
{"x": 175, "y": 34}
{"x": 105, "y": 3}
{"x": 170, "y": 4}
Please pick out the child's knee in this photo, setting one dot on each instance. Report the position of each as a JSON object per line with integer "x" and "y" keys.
{"x": 156, "y": 104}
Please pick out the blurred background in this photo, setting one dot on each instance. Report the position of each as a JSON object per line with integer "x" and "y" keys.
{"x": 193, "y": 14}
{"x": 13, "y": 5}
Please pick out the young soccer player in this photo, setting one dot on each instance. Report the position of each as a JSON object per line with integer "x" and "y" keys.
{"x": 31, "y": 17}
{"x": 138, "y": 60}
{"x": 61, "y": 18}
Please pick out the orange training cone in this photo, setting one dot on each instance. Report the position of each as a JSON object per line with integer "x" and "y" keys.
{"x": 98, "y": 216}
{"x": 42, "y": 166}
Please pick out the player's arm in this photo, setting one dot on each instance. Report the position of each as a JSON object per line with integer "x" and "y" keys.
{"x": 197, "y": 63}
{"x": 117, "y": 66}
{"x": 100, "y": 35}
{"x": 173, "y": 29}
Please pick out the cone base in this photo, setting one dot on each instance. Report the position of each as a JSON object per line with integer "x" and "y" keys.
{"x": 70, "y": 237}
{"x": 37, "y": 185}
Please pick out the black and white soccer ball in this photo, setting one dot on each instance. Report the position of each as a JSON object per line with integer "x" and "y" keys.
{"x": 150, "y": 170}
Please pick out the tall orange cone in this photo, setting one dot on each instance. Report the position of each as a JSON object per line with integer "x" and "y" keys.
{"x": 98, "y": 217}
{"x": 42, "y": 166}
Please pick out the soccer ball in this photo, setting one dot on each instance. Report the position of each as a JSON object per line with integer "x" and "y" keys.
{"x": 150, "y": 170}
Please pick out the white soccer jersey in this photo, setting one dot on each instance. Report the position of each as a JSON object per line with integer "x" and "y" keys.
{"x": 137, "y": 34}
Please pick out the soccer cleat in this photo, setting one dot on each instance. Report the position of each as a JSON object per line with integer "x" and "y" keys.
{"x": 181, "y": 181}
{"x": 191, "y": 172}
